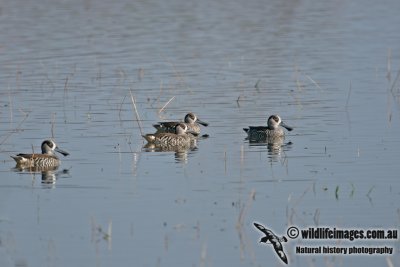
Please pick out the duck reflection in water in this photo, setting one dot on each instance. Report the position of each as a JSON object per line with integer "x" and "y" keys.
{"x": 49, "y": 174}
{"x": 181, "y": 151}
{"x": 275, "y": 147}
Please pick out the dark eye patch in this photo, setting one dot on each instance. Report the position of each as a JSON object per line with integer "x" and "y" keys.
{"x": 48, "y": 143}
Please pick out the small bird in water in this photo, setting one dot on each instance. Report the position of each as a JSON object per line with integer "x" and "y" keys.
{"x": 191, "y": 121}
{"x": 274, "y": 240}
{"x": 48, "y": 159}
{"x": 272, "y": 130}
{"x": 181, "y": 136}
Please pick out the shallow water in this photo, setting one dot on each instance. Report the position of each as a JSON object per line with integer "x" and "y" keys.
{"x": 68, "y": 71}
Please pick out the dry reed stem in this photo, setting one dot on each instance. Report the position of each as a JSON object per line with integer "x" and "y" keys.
{"x": 10, "y": 105}
{"x": 238, "y": 100}
{"x": 109, "y": 235}
{"x": 179, "y": 76}
{"x": 161, "y": 92}
{"x": 389, "y": 262}
{"x": 17, "y": 75}
{"x": 246, "y": 206}
{"x": 203, "y": 255}
{"x": 287, "y": 212}
{"x": 140, "y": 74}
{"x": 166, "y": 242}
{"x": 389, "y": 65}
{"x": 240, "y": 223}
{"x": 136, "y": 113}
{"x": 99, "y": 234}
{"x": 297, "y": 100}
{"x": 52, "y": 124}
{"x": 316, "y": 217}
{"x": 298, "y": 83}
{"x": 166, "y": 104}
{"x": 225, "y": 161}
{"x": 120, "y": 108}
{"x": 47, "y": 76}
{"x": 257, "y": 85}
{"x": 348, "y": 97}
{"x": 99, "y": 73}
{"x": 314, "y": 82}
{"x": 66, "y": 84}
{"x": 394, "y": 82}
{"x": 17, "y": 128}
{"x": 241, "y": 155}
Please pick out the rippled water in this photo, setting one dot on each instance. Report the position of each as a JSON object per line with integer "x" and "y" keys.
{"x": 70, "y": 69}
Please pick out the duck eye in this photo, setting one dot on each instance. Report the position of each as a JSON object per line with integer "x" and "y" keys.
{"x": 48, "y": 143}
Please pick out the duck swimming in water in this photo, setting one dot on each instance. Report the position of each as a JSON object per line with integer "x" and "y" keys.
{"x": 272, "y": 130}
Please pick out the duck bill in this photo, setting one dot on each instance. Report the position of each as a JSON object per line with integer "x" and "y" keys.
{"x": 63, "y": 152}
{"x": 286, "y": 126}
{"x": 192, "y": 133}
{"x": 202, "y": 122}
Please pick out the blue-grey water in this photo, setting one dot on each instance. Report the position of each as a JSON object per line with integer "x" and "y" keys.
{"x": 70, "y": 69}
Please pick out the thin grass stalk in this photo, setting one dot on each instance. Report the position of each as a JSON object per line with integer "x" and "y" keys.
{"x": 16, "y": 129}
{"x": 136, "y": 112}
{"x": 166, "y": 104}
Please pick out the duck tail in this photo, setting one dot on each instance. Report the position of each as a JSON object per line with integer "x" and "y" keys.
{"x": 15, "y": 158}
{"x": 149, "y": 137}
{"x": 157, "y": 126}
{"x": 19, "y": 158}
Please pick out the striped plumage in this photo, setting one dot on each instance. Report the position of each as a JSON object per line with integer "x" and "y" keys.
{"x": 47, "y": 159}
{"x": 161, "y": 147}
{"x": 272, "y": 130}
{"x": 191, "y": 121}
{"x": 179, "y": 138}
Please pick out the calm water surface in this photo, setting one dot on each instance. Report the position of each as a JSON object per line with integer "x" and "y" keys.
{"x": 68, "y": 69}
